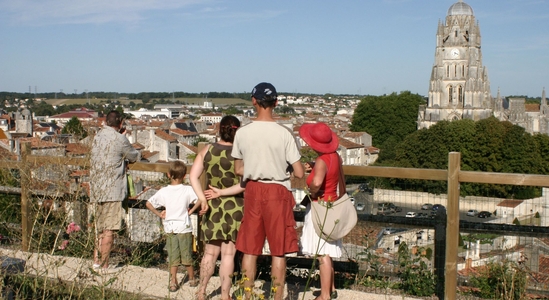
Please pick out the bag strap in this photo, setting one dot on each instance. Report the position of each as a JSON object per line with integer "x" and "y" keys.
{"x": 342, "y": 186}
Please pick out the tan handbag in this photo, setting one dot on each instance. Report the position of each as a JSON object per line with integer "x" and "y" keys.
{"x": 334, "y": 220}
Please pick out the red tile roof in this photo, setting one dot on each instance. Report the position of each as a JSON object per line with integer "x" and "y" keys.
{"x": 183, "y": 132}
{"x": 37, "y": 143}
{"x": 77, "y": 148}
{"x": 163, "y": 135}
{"x": 510, "y": 203}
{"x": 348, "y": 144}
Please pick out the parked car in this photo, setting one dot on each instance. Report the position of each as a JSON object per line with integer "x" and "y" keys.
{"x": 472, "y": 212}
{"x": 360, "y": 207}
{"x": 437, "y": 206}
{"x": 384, "y": 210}
{"x": 365, "y": 188}
{"x": 410, "y": 214}
{"x": 395, "y": 208}
{"x": 422, "y": 215}
{"x": 427, "y": 206}
{"x": 386, "y": 206}
{"x": 484, "y": 214}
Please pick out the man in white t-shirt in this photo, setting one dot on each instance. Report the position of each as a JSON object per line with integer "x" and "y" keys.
{"x": 265, "y": 155}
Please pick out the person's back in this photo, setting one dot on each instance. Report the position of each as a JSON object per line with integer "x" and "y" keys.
{"x": 267, "y": 148}
{"x": 176, "y": 198}
{"x": 108, "y": 183}
{"x": 265, "y": 154}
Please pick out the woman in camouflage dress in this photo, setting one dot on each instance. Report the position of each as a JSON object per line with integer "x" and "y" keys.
{"x": 221, "y": 221}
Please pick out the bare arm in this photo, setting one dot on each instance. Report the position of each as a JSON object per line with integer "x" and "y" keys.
{"x": 194, "y": 177}
{"x": 239, "y": 167}
{"x": 214, "y": 192}
{"x": 320, "y": 173}
{"x": 299, "y": 171}
{"x": 194, "y": 208}
{"x": 160, "y": 214}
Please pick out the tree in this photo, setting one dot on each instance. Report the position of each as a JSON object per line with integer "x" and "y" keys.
{"x": 43, "y": 109}
{"x": 308, "y": 154}
{"x": 487, "y": 145}
{"x": 75, "y": 128}
{"x": 387, "y": 118}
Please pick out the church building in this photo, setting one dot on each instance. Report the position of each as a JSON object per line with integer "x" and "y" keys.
{"x": 459, "y": 87}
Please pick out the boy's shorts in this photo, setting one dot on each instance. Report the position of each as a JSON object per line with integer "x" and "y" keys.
{"x": 268, "y": 212}
{"x": 179, "y": 246}
{"x": 108, "y": 216}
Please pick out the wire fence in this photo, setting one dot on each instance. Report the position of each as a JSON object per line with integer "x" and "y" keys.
{"x": 420, "y": 231}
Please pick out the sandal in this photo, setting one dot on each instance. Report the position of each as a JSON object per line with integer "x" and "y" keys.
{"x": 333, "y": 295}
{"x": 173, "y": 287}
{"x": 193, "y": 282}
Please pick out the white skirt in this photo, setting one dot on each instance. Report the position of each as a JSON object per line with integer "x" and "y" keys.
{"x": 312, "y": 244}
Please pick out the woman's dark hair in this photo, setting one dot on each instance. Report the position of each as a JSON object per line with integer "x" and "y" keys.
{"x": 228, "y": 127}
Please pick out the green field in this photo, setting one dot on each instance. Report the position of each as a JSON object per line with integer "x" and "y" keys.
{"x": 195, "y": 101}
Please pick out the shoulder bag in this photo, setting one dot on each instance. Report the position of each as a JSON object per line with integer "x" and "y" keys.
{"x": 334, "y": 220}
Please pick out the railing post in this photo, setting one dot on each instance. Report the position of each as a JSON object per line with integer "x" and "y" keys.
{"x": 452, "y": 226}
{"x": 26, "y": 205}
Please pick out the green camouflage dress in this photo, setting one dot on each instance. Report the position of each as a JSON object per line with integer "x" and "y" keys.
{"x": 223, "y": 218}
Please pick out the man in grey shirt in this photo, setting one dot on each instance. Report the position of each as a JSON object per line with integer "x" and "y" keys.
{"x": 108, "y": 183}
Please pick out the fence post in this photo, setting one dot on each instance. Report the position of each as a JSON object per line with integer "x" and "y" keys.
{"x": 26, "y": 219}
{"x": 452, "y": 226}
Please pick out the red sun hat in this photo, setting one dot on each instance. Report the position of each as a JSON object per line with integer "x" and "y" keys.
{"x": 319, "y": 137}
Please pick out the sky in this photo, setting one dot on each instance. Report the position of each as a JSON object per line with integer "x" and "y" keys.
{"x": 371, "y": 47}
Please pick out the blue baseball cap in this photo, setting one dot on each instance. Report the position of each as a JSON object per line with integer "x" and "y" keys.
{"x": 263, "y": 90}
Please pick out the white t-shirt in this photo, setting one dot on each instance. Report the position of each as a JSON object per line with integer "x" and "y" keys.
{"x": 268, "y": 150}
{"x": 176, "y": 200}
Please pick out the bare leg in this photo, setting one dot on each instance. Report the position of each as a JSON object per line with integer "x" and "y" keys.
{"x": 228, "y": 250}
{"x": 278, "y": 272}
{"x": 103, "y": 247}
{"x": 190, "y": 272}
{"x": 173, "y": 275}
{"x": 326, "y": 278}
{"x": 249, "y": 266}
{"x": 207, "y": 266}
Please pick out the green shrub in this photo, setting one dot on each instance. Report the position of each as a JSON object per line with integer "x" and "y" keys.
{"x": 537, "y": 216}
{"x": 416, "y": 277}
{"x": 501, "y": 280}
{"x": 516, "y": 221}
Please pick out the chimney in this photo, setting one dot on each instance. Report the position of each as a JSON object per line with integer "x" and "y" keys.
{"x": 151, "y": 139}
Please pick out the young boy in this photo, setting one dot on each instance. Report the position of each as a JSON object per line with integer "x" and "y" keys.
{"x": 175, "y": 198}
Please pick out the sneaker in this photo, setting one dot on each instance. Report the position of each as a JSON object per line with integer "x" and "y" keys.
{"x": 96, "y": 267}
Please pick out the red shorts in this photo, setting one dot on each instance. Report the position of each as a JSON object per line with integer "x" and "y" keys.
{"x": 268, "y": 212}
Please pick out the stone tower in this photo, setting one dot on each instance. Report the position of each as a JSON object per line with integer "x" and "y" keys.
{"x": 459, "y": 87}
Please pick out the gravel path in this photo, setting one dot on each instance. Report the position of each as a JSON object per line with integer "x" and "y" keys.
{"x": 150, "y": 283}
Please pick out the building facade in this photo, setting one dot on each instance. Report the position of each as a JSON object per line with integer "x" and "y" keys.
{"x": 459, "y": 87}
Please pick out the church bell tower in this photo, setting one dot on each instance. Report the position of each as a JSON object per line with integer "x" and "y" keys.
{"x": 459, "y": 87}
